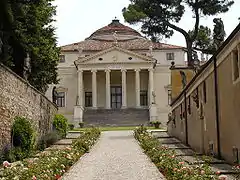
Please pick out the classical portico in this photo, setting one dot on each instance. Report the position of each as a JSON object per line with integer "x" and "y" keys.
{"x": 123, "y": 93}
{"x": 111, "y": 79}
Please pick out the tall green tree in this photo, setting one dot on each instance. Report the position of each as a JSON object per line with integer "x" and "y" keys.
{"x": 207, "y": 41}
{"x": 25, "y": 28}
{"x": 160, "y": 17}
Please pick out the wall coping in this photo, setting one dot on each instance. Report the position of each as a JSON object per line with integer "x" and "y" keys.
{"x": 26, "y": 82}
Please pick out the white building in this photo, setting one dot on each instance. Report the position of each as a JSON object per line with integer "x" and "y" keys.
{"x": 115, "y": 68}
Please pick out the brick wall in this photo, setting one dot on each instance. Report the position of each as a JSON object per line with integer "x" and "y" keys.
{"x": 18, "y": 98}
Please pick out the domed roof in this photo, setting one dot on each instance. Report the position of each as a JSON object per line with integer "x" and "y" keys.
{"x": 115, "y": 27}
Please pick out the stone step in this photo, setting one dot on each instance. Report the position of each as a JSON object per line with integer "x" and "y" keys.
{"x": 116, "y": 117}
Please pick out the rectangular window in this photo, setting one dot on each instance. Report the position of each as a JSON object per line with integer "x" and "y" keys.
{"x": 169, "y": 97}
{"x": 88, "y": 99}
{"x": 62, "y": 58}
{"x": 143, "y": 98}
{"x": 170, "y": 56}
{"x": 60, "y": 99}
{"x": 204, "y": 92}
{"x": 235, "y": 60}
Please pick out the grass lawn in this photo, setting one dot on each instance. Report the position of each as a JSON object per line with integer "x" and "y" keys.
{"x": 112, "y": 128}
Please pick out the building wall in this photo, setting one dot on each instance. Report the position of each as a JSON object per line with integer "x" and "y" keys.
{"x": 202, "y": 121}
{"x": 176, "y": 80}
{"x": 18, "y": 98}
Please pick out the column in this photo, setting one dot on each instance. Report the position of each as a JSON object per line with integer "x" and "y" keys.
{"x": 94, "y": 88}
{"x": 108, "y": 99}
{"x": 151, "y": 88}
{"x": 124, "y": 88}
{"x": 80, "y": 88}
{"x": 137, "y": 87}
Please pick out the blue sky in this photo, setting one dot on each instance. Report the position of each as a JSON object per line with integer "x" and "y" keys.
{"x": 77, "y": 19}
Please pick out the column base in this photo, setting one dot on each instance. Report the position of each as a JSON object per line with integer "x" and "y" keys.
{"x": 124, "y": 107}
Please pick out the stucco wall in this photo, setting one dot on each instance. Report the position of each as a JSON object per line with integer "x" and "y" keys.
{"x": 18, "y": 98}
{"x": 202, "y": 122}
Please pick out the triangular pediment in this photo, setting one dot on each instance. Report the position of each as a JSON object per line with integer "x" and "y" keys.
{"x": 115, "y": 55}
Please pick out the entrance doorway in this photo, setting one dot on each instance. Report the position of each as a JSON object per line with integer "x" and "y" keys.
{"x": 116, "y": 97}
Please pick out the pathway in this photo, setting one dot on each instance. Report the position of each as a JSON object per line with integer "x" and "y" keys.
{"x": 116, "y": 156}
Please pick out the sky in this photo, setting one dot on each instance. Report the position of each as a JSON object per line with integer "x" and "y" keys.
{"x": 78, "y": 19}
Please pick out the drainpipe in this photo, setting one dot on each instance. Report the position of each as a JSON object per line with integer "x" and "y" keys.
{"x": 217, "y": 108}
{"x": 186, "y": 123}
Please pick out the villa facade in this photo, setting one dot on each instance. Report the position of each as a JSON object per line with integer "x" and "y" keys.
{"x": 115, "y": 68}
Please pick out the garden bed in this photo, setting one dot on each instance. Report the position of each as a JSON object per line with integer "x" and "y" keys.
{"x": 167, "y": 163}
{"x": 51, "y": 164}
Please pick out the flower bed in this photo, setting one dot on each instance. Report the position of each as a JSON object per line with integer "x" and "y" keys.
{"x": 167, "y": 163}
{"x": 51, "y": 164}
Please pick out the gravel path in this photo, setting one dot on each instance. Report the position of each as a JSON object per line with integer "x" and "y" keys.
{"x": 116, "y": 156}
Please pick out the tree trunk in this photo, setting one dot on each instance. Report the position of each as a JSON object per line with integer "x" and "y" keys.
{"x": 189, "y": 53}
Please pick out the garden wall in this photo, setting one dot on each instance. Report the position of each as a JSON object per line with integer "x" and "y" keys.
{"x": 19, "y": 98}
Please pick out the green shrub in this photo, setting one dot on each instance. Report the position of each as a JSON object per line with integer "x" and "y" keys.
{"x": 156, "y": 124}
{"x": 71, "y": 126}
{"x": 48, "y": 140}
{"x": 53, "y": 163}
{"x": 166, "y": 161}
{"x": 60, "y": 124}
{"x": 86, "y": 140}
{"x": 23, "y": 138}
{"x": 81, "y": 124}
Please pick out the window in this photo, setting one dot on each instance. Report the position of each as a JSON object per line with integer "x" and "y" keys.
{"x": 235, "y": 60}
{"x": 143, "y": 98}
{"x": 88, "y": 99}
{"x": 170, "y": 56}
{"x": 204, "y": 92}
{"x": 62, "y": 58}
{"x": 60, "y": 99}
{"x": 169, "y": 97}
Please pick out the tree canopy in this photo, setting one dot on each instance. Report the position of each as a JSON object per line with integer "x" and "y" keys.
{"x": 26, "y": 30}
{"x": 160, "y": 17}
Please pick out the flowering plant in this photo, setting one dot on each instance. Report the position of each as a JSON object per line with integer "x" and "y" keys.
{"x": 50, "y": 164}
{"x": 165, "y": 159}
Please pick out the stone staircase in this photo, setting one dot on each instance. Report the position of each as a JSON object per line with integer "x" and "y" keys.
{"x": 116, "y": 117}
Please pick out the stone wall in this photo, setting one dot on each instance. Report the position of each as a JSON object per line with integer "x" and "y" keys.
{"x": 18, "y": 98}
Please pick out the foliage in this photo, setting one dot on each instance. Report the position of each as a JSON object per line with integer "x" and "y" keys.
{"x": 60, "y": 124}
{"x": 48, "y": 140}
{"x": 81, "y": 124}
{"x": 160, "y": 17}
{"x": 209, "y": 42}
{"x": 49, "y": 164}
{"x": 71, "y": 126}
{"x": 23, "y": 139}
{"x": 165, "y": 159}
{"x": 25, "y": 28}
{"x": 156, "y": 124}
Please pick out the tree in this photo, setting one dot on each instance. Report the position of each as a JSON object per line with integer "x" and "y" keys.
{"x": 159, "y": 17}
{"x": 208, "y": 42}
{"x": 25, "y": 28}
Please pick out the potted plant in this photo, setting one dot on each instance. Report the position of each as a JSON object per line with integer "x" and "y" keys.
{"x": 156, "y": 124}
{"x": 71, "y": 126}
{"x": 81, "y": 124}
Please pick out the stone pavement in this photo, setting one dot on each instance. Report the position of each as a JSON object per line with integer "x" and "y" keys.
{"x": 116, "y": 156}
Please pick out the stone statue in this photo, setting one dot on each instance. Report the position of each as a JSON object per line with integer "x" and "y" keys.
{"x": 184, "y": 79}
{"x": 150, "y": 50}
{"x": 154, "y": 97}
{"x": 27, "y": 67}
{"x": 54, "y": 95}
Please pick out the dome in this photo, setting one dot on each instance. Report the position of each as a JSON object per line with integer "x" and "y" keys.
{"x": 121, "y": 32}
